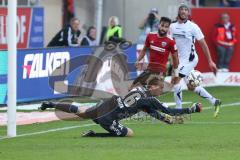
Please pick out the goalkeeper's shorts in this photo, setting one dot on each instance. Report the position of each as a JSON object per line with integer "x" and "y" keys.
{"x": 113, "y": 127}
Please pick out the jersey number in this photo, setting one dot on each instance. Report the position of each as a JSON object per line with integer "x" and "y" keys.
{"x": 131, "y": 99}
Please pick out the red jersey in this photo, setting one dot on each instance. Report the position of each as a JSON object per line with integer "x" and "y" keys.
{"x": 159, "y": 49}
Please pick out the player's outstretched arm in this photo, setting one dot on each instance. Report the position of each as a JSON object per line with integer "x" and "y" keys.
{"x": 151, "y": 103}
{"x": 206, "y": 51}
{"x": 175, "y": 60}
{"x": 175, "y": 78}
{"x": 196, "y": 107}
{"x": 160, "y": 116}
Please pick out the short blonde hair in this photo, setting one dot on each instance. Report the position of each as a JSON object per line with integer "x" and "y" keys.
{"x": 115, "y": 19}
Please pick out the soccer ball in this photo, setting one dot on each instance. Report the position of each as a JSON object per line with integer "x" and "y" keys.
{"x": 195, "y": 78}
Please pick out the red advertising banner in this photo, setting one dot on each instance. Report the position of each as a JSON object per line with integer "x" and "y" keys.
{"x": 206, "y": 18}
{"x": 29, "y": 28}
{"x": 23, "y": 23}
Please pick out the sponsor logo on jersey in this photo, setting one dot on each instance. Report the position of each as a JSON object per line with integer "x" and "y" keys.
{"x": 157, "y": 48}
{"x": 41, "y": 65}
{"x": 164, "y": 44}
{"x": 179, "y": 36}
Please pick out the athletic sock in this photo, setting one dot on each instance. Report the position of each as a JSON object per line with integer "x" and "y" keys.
{"x": 178, "y": 95}
{"x": 69, "y": 108}
{"x": 204, "y": 94}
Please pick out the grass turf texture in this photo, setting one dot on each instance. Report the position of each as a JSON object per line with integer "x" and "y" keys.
{"x": 202, "y": 138}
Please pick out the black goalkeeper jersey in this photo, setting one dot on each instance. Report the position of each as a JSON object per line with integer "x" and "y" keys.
{"x": 117, "y": 108}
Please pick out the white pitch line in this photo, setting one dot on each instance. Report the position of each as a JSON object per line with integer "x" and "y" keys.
{"x": 92, "y": 124}
{"x": 224, "y": 105}
{"x": 51, "y": 130}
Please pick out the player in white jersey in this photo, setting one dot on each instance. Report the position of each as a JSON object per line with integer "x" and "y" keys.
{"x": 185, "y": 33}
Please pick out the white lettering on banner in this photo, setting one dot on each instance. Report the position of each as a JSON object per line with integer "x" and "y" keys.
{"x": 21, "y": 21}
{"x": 3, "y": 32}
{"x": 38, "y": 19}
{"x": 21, "y": 29}
{"x": 38, "y": 29}
{"x": 34, "y": 66}
{"x": 36, "y": 39}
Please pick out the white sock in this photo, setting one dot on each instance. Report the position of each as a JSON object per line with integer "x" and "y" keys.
{"x": 178, "y": 95}
{"x": 204, "y": 94}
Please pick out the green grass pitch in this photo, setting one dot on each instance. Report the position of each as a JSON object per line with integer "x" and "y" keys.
{"x": 201, "y": 138}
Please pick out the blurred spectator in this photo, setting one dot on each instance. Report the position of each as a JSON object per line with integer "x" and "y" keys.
{"x": 114, "y": 31}
{"x": 202, "y": 3}
{"x": 149, "y": 24}
{"x": 224, "y": 37}
{"x": 68, "y": 10}
{"x": 68, "y": 36}
{"x": 90, "y": 38}
{"x": 229, "y": 3}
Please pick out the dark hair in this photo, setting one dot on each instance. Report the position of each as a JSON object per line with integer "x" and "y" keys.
{"x": 89, "y": 29}
{"x": 165, "y": 19}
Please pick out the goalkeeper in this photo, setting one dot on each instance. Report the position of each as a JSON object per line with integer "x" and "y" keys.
{"x": 109, "y": 112}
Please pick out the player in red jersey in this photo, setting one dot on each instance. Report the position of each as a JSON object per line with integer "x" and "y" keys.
{"x": 160, "y": 46}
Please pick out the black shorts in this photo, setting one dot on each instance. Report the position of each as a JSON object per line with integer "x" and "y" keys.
{"x": 145, "y": 75}
{"x": 105, "y": 114}
{"x": 113, "y": 127}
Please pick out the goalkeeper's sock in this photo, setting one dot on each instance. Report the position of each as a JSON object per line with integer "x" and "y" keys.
{"x": 178, "y": 95}
{"x": 65, "y": 107}
{"x": 204, "y": 94}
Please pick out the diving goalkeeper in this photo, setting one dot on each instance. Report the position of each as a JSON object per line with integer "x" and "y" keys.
{"x": 109, "y": 112}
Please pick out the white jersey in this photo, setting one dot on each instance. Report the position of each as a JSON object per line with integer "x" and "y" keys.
{"x": 185, "y": 35}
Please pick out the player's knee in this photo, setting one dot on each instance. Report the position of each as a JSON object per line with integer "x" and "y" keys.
{"x": 129, "y": 132}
